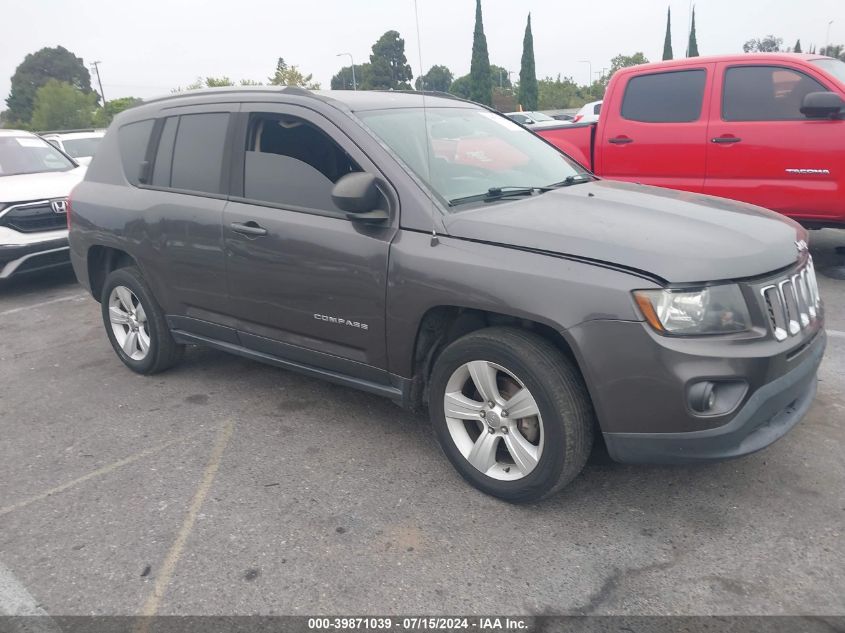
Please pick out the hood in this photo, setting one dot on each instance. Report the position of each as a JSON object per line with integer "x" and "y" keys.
{"x": 675, "y": 235}
{"x": 49, "y": 184}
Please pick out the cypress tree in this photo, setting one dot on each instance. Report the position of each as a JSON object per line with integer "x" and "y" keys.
{"x": 797, "y": 48}
{"x": 692, "y": 51}
{"x": 667, "y": 41}
{"x": 481, "y": 82}
{"x": 528, "y": 89}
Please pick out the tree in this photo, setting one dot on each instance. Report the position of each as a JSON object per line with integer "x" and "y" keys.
{"x": 36, "y": 70}
{"x": 291, "y": 76}
{"x": 462, "y": 87}
{"x": 528, "y": 91}
{"x": 389, "y": 69}
{"x": 692, "y": 48}
{"x": 667, "y": 41}
{"x": 343, "y": 79}
{"x": 60, "y": 106}
{"x": 103, "y": 116}
{"x": 837, "y": 51}
{"x": 768, "y": 44}
{"x": 797, "y": 48}
{"x": 218, "y": 82}
{"x": 624, "y": 61}
{"x": 481, "y": 83}
{"x": 500, "y": 77}
{"x": 438, "y": 78}
{"x": 555, "y": 93}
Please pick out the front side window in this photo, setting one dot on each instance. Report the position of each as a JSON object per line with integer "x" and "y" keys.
{"x": 291, "y": 162}
{"x": 461, "y": 152}
{"x": 673, "y": 97}
{"x": 765, "y": 93}
{"x": 30, "y": 155}
{"x": 198, "y": 152}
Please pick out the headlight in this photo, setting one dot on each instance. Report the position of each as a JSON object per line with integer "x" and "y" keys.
{"x": 712, "y": 310}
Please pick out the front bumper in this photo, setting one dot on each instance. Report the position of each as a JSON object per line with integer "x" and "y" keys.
{"x": 32, "y": 252}
{"x": 768, "y": 414}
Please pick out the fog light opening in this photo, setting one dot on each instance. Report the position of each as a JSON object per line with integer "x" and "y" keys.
{"x": 702, "y": 396}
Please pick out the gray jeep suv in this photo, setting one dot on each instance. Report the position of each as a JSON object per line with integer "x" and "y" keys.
{"x": 432, "y": 251}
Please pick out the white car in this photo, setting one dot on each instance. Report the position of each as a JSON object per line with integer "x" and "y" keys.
{"x": 588, "y": 113}
{"x": 80, "y": 145}
{"x": 534, "y": 119}
{"x": 35, "y": 181}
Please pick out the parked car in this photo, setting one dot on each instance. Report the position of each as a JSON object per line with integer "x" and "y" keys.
{"x": 432, "y": 251}
{"x": 35, "y": 180}
{"x": 78, "y": 144}
{"x": 533, "y": 119}
{"x": 764, "y": 128}
{"x": 588, "y": 113}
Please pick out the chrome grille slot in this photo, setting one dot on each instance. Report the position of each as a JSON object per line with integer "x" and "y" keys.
{"x": 792, "y": 304}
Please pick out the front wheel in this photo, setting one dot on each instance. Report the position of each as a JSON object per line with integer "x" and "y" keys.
{"x": 511, "y": 413}
{"x": 135, "y": 323}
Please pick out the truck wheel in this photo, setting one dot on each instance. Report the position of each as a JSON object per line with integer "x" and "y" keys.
{"x": 511, "y": 412}
{"x": 135, "y": 324}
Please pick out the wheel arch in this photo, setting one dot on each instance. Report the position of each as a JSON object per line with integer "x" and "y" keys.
{"x": 102, "y": 260}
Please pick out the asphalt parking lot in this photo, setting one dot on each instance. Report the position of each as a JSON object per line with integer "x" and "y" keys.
{"x": 228, "y": 487}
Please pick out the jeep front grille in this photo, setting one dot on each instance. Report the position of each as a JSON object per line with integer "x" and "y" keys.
{"x": 792, "y": 303}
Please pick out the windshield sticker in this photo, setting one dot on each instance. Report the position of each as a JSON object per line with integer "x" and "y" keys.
{"x": 29, "y": 142}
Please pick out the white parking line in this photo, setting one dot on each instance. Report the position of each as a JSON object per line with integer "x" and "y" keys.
{"x": 16, "y": 601}
{"x": 836, "y": 333}
{"x": 42, "y": 304}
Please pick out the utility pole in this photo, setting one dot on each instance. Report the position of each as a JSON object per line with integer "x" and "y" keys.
{"x": 827, "y": 39}
{"x": 96, "y": 66}
{"x": 590, "y": 79}
{"x": 352, "y": 63}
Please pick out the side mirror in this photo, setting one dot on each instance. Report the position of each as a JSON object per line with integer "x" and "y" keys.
{"x": 822, "y": 105}
{"x": 358, "y": 195}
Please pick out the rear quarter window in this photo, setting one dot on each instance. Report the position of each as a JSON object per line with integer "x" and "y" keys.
{"x": 133, "y": 139}
{"x": 672, "y": 97}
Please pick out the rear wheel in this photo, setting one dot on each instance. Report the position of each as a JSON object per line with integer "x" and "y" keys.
{"x": 135, "y": 324}
{"x": 511, "y": 413}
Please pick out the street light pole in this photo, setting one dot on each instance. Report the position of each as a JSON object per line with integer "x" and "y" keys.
{"x": 96, "y": 66}
{"x": 352, "y": 63}
{"x": 590, "y": 79}
{"x": 827, "y": 39}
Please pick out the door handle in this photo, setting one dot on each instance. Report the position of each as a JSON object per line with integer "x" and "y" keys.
{"x": 252, "y": 229}
{"x": 725, "y": 139}
{"x": 620, "y": 140}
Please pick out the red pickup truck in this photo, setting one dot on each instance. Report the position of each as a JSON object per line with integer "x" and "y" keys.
{"x": 768, "y": 129}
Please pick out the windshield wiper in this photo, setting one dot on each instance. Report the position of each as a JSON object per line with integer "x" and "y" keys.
{"x": 572, "y": 180}
{"x": 500, "y": 193}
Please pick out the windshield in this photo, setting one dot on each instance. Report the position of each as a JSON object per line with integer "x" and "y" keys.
{"x": 471, "y": 151}
{"x": 81, "y": 147}
{"x": 30, "y": 155}
{"x": 833, "y": 66}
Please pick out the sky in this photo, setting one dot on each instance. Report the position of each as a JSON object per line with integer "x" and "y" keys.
{"x": 149, "y": 48}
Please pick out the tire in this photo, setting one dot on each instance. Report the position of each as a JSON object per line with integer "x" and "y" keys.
{"x": 552, "y": 446}
{"x": 154, "y": 349}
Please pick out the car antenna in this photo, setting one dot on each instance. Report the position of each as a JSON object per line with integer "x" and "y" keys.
{"x": 434, "y": 240}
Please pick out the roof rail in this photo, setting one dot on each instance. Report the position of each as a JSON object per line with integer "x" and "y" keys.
{"x": 87, "y": 129}
{"x": 232, "y": 90}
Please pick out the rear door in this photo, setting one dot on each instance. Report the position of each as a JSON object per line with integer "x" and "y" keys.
{"x": 761, "y": 148}
{"x": 305, "y": 282}
{"x": 656, "y": 132}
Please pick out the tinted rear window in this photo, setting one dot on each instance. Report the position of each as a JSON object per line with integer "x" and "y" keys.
{"x": 198, "y": 152}
{"x": 133, "y": 140}
{"x": 674, "y": 97}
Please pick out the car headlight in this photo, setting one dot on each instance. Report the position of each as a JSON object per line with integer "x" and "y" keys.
{"x": 711, "y": 310}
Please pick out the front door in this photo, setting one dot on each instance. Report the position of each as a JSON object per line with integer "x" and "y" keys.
{"x": 762, "y": 150}
{"x": 305, "y": 282}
